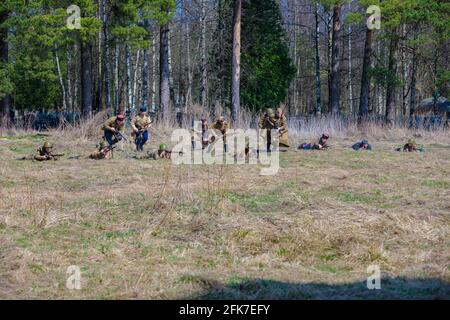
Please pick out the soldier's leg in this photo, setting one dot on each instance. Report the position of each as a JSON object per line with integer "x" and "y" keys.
{"x": 269, "y": 142}
{"x": 144, "y": 139}
{"x": 109, "y": 137}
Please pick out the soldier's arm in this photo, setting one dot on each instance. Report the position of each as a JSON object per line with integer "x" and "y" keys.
{"x": 108, "y": 125}
{"x": 283, "y": 126}
{"x": 38, "y": 157}
{"x": 133, "y": 124}
{"x": 261, "y": 123}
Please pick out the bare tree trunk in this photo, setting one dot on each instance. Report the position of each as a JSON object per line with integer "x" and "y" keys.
{"x": 145, "y": 80}
{"x": 350, "y": 80}
{"x": 171, "y": 84}
{"x": 365, "y": 78}
{"x": 135, "y": 80}
{"x": 203, "y": 88}
{"x": 106, "y": 58}
{"x": 316, "y": 45}
{"x": 335, "y": 72}
{"x": 116, "y": 78}
{"x": 86, "y": 79}
{"x": 412, "y": 106}
{"x": 390, "y": 90}
{"x": 61, "y": 80}
{"x": 164, "y": 74}
{"x": 69, "y": 80}
{"x": 5, "y": 101}
{"x": 236, "y": 63}
{"x": 189, "y": 71}
{"x": 128, "y": 66}
{"x": 153, "y": 95}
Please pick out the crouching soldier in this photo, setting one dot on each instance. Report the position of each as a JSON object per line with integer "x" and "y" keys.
{"x": 45, "y": 153}
{"x": 222, "y": 126}
{"x": 103, "y": 152}
{"x": 363, "y": 145}
{"x": 113, "y": 129}
{"x": 140, "y": 125}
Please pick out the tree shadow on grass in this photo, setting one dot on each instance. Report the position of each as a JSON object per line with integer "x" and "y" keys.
{"x": 261, "y": 289}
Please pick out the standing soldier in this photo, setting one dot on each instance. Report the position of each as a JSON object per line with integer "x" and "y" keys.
{"x": 267, "y": 122}
{"x": 45, "y": 153}
{"x": 281, "y": 125}
{"x": 113, "y": 128}
{"x": 140, "y": 125}
{"x": 222, "y": 126}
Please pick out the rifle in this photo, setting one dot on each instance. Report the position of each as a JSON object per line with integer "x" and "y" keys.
{"x": 273, "y": 125}
{"x": 55, "y": 156}
{"x": 120, "y": 136}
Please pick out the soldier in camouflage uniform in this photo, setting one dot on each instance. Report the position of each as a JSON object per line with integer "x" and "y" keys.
{"x": 162, "y": 153}
{"x": 411, "y": 146}
{"x": 112, "y": 127}
{"x": 222, "y": 126}
{"x": 45, "y": 153}
{"x": 103, "y": 152}
{"x": 140, "y": 125}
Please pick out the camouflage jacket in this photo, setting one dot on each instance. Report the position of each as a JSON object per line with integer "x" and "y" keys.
{"x": 42, "y": 155}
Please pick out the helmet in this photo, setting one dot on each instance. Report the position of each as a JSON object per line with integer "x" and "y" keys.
{"x": 102, "y": 144}
{"x": 221, "y": 118}
{"x": 143, "y": 109}
{"x": 365, "y": 142}
{"x": 411, "y": 141}
{"x": 269, "y": 111}
{"x": 47, "y": 145}
{"x": 162, "y": 147}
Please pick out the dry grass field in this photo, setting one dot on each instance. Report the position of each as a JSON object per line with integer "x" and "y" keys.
{"x": 142, "y": 229}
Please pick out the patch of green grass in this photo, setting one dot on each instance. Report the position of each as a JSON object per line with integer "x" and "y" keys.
{"x": 23, "y": 148}
{"x": 241, "y": 233}
{"x": 256, "y": 203}
{"x": 329, "y": 254}
{"x": 437, "y": 184}
{"x": 118, "y": 234}
{"x": 35, "y": 267}
{"x": 373, "y": 198}
{"x": 7, "y": 183}
{"x": 329, "y": 268}
{"x": 34, "y": 137}
{"x": 23, "y": 241}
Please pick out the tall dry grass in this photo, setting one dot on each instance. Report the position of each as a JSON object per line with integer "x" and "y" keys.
{"x": 308, "y": 127}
